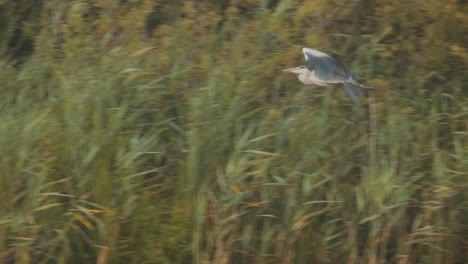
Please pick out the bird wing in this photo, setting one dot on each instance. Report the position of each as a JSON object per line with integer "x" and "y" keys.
{"x": 326, "y": 67}
{"x": 353, "y": 92}
{"x": 332, "y": 71}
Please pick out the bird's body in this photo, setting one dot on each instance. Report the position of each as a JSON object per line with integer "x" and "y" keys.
{"x": 309, "y": 77}
{"x": 326, "y": 71}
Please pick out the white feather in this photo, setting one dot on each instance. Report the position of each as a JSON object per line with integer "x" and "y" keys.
{"x": 313, "y": 52}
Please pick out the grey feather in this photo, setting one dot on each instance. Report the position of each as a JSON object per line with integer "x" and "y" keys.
{"x": 324, "y": 70}
{"x": 353, "y": 92}
{"x": 326, "y": 67}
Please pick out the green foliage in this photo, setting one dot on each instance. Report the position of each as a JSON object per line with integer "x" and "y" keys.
{"x": 165, "y": 132}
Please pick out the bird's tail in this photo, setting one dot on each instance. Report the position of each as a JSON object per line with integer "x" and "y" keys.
{"x": 353, "y": 91}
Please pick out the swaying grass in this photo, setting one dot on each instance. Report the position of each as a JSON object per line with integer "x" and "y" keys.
{"x": 191, "y": 146}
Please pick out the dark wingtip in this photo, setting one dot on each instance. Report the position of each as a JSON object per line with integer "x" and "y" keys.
{"x": 353, "y": 92}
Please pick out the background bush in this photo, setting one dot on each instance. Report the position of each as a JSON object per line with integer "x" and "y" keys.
{"x": 165, "y": 132}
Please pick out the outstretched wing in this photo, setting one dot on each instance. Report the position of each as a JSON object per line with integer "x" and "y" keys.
{"x": 326, "y": 67}
{"x": 353, "y": 92}
{"x": 330, "y": 70}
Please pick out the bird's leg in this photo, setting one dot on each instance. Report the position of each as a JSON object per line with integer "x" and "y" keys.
{"x": 366, "y": 87}
{"x": 350, "y": 83}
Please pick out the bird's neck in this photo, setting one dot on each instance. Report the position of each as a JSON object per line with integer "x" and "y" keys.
{"x": 307, "y": 77}
{"x": 311, "y": 78}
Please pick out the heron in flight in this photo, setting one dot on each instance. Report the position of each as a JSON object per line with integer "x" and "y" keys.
{"x": 326, "y": 71}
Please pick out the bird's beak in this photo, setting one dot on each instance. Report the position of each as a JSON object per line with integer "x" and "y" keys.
{"x": 289, "y": 70}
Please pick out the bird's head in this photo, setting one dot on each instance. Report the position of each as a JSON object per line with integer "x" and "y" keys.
{"x": 298, "y": 70}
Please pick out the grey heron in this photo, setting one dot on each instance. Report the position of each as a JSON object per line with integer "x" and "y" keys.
{"x": 326, "y": 71}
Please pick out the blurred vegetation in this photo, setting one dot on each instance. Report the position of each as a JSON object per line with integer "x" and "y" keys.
{"x": 165, "y": 132}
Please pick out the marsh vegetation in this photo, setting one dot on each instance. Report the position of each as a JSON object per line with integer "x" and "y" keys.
{"x": 165, "y": 132}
